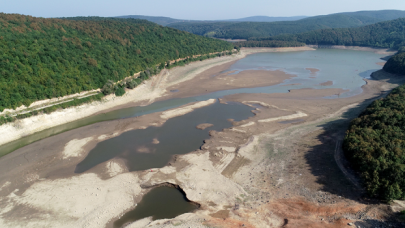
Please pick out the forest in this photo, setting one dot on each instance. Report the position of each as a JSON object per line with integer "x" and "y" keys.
{"x": 45, "y": 58}
{"x": 396, "y": 64}
{"x": 387, "y": 34}
{"x": 247, "y": 30}
{"x": 375, "y": 146}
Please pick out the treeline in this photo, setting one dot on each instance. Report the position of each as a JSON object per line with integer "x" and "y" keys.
{"x": 388, "y": 34}
{"x": 45, "y": 58}
{"x": 246, "y": 30}
{"x": 375, "y": 146}
{"x": 268, "y": 43}
{"x": 110, "y": 87}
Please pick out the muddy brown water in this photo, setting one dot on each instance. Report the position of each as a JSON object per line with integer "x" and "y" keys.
{"x": 160, "y": 203}
{"x": 178, "y": 135}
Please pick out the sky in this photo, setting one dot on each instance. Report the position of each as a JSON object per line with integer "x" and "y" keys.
{"x": 191, "y": 9}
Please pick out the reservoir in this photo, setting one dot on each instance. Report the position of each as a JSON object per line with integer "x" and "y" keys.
{"x": 153, "y": 147}
{"x": 345, "y": 68}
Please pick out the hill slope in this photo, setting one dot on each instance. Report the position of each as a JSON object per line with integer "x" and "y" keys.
{"x": 268, "y": 19}
{"x": 245, "y": 30}
{"x": 375, "y": 146}
{"x": 168, "y": 20}
{"x": 158, "y": 20}
{"x": 387, "y": 34}
{"x": 44, "y": 58}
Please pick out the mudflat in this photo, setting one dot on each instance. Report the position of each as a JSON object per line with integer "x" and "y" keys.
{"x": 253, "y": 174}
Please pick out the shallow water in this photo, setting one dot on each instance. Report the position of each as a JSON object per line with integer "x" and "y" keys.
{"x": 160, "y": 203}
{"x": 178, "y": 135}
{"x": 345, "y": 68}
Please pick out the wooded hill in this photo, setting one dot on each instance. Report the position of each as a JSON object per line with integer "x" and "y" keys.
{"x": 246, "y": 30}
{"x": 375, "y": 146}
{"x": 387, "y": 34}
{"x": 45, "y": 58}
{"x": 396, "y": 64}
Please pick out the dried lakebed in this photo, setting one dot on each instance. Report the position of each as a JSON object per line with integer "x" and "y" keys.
{"x": 106, "y": 155}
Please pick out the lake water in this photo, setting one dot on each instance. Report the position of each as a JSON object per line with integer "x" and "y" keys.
{"x": 346, "y": 68}
{"x": 178, "y": 135}
{"x": 159, "y": 203}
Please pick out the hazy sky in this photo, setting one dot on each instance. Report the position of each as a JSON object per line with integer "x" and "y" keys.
{"x": 192, "y": 9}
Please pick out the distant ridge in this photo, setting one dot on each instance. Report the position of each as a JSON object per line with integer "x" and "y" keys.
{"x": 268, "y": 19}
{"x": 249, "y": 29}
{"x": 164, "y": 21}
{"x": 158, "y": 20}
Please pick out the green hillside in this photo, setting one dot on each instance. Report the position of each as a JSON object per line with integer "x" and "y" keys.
{"x": 44, "y": 58}
{"x": 387, "y": 34}
{"x": 246, "y": 30}
{"x": 396, "y": 64}
{"x": 375, "y": 146}
{"x": 158, "y": 20}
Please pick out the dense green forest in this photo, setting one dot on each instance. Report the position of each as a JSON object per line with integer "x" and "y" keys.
{"x": 396, "y": 64}
{"x": 387, "y": 34}
{"x": 375, "y": 145}
{"x": 45, "y": 58}
{"x": 246, "y": 30}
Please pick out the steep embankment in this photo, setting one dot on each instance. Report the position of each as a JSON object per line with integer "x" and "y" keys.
{"x": 45, "y": 58}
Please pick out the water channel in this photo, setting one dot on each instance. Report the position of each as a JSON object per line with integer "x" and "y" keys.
{"x": 346, "y": 69}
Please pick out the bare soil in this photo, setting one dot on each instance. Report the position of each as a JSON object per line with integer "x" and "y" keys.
{"x": 254, "y": 174}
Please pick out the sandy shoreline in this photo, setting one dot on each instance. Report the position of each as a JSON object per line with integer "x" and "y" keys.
{"x": 250, "y": 174}
{"x": 144, "y": 94}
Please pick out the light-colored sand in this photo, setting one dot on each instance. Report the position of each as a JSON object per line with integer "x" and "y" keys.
{"x": 232, "y": 174}
{"x": 146, "y": 92}
{"x": 289, "y": 117}
{"x": 49, "y": 102}
{"x": 187, "y": 109}
{"x": 155, "y": 141}
{"x": 74, "y": 148}
{"x": 82, "y": 201}
{"x": 114, "y": 168}
{"x": 382, "y": 51}
{"x": 203, "y": 126}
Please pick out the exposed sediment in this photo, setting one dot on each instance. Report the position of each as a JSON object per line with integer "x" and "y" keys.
{"x": 248, "y": 175}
